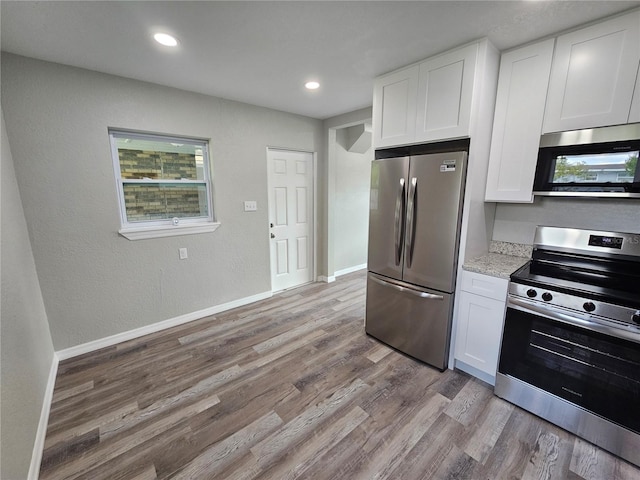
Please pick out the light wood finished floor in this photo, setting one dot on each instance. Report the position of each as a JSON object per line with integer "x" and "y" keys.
{"x": 292, "y": 387}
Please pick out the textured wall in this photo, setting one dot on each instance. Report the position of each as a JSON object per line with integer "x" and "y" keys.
{"x": 517, "y": 222}
{"x": 96, "y": 283}
{"x": 329, "y": 207}
{"x": 27, "y": 350}
{"x": 353, "y": 174}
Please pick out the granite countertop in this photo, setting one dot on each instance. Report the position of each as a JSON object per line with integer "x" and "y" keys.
{"x": 503, "y": 259}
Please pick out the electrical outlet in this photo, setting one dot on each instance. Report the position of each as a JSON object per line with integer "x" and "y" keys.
{"x": 250, "y": 205}
{"x": 183, "y": 253}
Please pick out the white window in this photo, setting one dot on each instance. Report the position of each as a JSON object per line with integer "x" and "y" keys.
{"x": 164, "y": 185}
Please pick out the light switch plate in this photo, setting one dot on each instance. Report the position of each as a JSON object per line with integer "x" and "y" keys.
{"x": 250, "y": 205}
{"x": 183, "y": 253}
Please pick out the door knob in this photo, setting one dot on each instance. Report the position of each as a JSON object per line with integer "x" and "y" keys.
{"x": 273, "y": 235}
{"x": 271, "y": 225}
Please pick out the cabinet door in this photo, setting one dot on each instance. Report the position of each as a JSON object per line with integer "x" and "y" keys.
{"x": 444, "y": 95}
{"x": 479, "y": 331}
{"x": 593, "y": 75}
{"x": 634, "y": 113}
{"x": 394, "y": 108}
{"x": 517, "y": 124}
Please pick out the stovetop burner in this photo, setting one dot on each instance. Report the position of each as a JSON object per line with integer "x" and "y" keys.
{"x": 595, "y": 286}
{"x": 592, "y": 266}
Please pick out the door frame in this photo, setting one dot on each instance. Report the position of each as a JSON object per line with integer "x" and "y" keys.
{"x": 314, "y": 230}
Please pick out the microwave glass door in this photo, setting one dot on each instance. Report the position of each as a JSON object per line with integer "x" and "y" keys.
{"x": 595, "y": 168}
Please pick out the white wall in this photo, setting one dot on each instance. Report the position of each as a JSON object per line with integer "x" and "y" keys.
{"x": 351, "y": 203}
{"x": 329, "y": 212}
{"x": 27, "y": 350}
{"x": 94, "y": 282}
{"x": 517, "y": 222}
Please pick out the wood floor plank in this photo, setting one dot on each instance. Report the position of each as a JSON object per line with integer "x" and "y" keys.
{"x": 342, "y": 460}
{"x": 293, "y": 388}
{"x": 149, "y": 473}
{"x": 295, "y": 463}
{"x": 379, "y": 353}
{"x": 383, "y": 461}
{"x": 469, "y": 402}
{"x": 591, "y": 463}
{"x": 314, "y": 324}
{"x": 455, "y": 465}
{"x": 137, "y": 460}
{"x": 68, "y": 433}
{"x": 425, "y": 458}
{"x": 514, "y": 447}
{"x": 212, "y": 461}
{"x": 63, "y": 393}
{"x": 489, "y": 428}
{"x": 124, "y": 442}
{"x": 290, "y": 434}
{"x": 543, "y": 464}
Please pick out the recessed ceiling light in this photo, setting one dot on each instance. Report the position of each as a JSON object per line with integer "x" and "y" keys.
{"x": 312, "y": 85}
{"x": 165, "y": 39}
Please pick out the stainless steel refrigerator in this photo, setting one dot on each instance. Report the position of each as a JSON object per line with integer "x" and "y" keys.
{"x": 414, "y": 232}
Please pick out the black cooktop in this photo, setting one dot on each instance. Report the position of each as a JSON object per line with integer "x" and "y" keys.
{"x": 615, "y": 281}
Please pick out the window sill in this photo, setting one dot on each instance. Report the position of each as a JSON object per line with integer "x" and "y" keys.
{"x": 143, "y": 233}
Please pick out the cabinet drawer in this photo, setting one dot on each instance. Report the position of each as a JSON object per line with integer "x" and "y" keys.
{"x": 485, "y": 285}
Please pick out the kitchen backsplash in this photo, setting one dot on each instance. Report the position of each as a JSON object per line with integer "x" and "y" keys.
{"x": 513, "y": 249}
{"x": 516, "y": 223}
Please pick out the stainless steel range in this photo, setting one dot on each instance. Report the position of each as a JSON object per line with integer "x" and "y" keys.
{"x": 571, "y": 341}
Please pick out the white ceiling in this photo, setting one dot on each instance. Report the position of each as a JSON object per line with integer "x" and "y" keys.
{"x": 263, "y": 52}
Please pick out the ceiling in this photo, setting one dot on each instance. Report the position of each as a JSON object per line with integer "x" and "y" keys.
{"x": 263, "y": 52}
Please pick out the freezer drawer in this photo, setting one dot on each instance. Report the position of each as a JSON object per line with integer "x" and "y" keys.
{"x": 414, "y": 320}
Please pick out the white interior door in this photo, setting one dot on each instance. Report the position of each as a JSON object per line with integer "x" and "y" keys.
{"x": 291, "y": 218}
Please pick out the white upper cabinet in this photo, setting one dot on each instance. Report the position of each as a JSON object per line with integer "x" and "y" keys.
{"x": 444, "y": 95}
{"x": 427, "y": 101}
{"x": 522, "y": 90}
{"x": 593, "y": 75}
{"x": 394, "y": 107}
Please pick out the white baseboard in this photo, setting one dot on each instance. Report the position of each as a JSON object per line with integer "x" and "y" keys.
{"x": 329, "y": 279}
{"x": 156, "y": 327}
{"x": 344, "y": 271}
{"x": 41, "y": 433}
{"x": 485, "y": 377}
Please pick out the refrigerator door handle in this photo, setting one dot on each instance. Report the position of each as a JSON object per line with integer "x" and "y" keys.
{"x": 399, "y": 224}
{"x": 430, "y": 296}
{"x": 411, "y": 220}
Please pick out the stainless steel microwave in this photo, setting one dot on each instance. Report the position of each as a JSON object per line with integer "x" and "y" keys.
{"x": 595, "y": 162}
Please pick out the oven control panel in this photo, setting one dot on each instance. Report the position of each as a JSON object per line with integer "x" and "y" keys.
{"x": 617, "y": 313}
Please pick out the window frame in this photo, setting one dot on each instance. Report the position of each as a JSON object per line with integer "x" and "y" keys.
{"x": 163, "y": 227}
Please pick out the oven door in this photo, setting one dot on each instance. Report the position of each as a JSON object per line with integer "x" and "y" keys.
{"x": 582, "y": 361}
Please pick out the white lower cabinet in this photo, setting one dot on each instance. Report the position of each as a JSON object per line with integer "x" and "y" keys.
{"x": 481, "y": 307}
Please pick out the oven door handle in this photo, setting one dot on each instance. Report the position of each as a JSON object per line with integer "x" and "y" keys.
{"x": 575, "y": 318}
